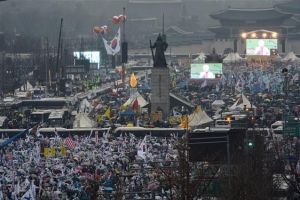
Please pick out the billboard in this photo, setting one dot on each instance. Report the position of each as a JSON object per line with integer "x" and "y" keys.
{"x": 92, "y": 56}
{"x": 205, "y": 70}
{"x": 260, "y": 47}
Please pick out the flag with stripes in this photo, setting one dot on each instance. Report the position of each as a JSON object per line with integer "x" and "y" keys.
{"x": 69, "y": 142}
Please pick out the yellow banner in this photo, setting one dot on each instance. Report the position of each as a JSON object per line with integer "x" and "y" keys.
{"x": 46, "y": 151}
{"x": 62, "y": 150}
{"x": 52, "y": 151}
{"x": 261, "y": 58}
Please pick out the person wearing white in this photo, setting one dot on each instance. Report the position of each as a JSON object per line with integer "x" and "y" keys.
{"x": 261, "y": 49}
{"x": 206, "y": 73}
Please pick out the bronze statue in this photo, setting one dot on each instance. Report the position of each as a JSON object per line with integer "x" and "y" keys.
{"x": 214, "y": 56}
{"x": 160, "y": 46}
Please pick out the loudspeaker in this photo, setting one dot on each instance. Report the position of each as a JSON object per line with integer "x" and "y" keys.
{"x": 62, "y": 85}
{"x": 235, "y": 46}
{"x": 124, "y": 52}
{"x": 282, "y": 46}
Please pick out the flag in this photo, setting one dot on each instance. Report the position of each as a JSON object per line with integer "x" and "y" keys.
{"x": 46, "y": 151}
{"x": 26, "y": 138}
{"x": 143, "y": 148}
{"x": 217, "y": 88}
{"x": 296, "y": 77}
{"x": 62, "y": 150}
{"x": 176, "y": 114}
{"x": 204, "y": 84}
{"x": 107, "y": 113}
{"x": 17, "y": 188}
{"x": 135, "y": 104}
{"x": 96, "y": 137}
{"x": 33, "y": 188}
{"x": 69, "y": 142}
{"x": 28, "y": 195}
{"x": 52, "y": 151}
{"x": 113, "y": 47}
{"x": 91, "y": 134}
{"x": 92, "y": 95}
{"x": 288, "y": 62}
{"x": 55, "y": 132}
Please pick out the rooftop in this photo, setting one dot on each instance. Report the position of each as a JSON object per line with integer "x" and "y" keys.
{"x": 292, "y": 6}
{"x": 251, "y": 14}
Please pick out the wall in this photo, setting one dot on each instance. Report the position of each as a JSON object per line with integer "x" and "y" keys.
{"x": 219, "y": 45}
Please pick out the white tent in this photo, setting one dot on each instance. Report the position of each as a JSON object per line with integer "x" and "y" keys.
{"x": 82, "y": 121}
{"x": 200, "y": 58}
{"x": 26, "y": 86}
{"x": 232, "y": 57}
{"x": 218, "y": 103}
{"x": 279, "y": 57}
{"x": 84, "y": 104}
{"x": 199, "y": 118}
{"x": 240, "y": 104}
{"x": 141, "y": 101}
{"x": 291, "y": 56}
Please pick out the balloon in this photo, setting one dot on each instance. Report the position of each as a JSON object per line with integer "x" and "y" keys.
{"x": 97, "y": 29}
{"x": 115, "y": 19}
{"x": 122, "y": 18}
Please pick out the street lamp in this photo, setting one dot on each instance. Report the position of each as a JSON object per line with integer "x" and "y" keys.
{"x": 285, "y": 73}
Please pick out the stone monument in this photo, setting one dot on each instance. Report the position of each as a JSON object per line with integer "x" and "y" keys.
{"x": 160, "y": 78}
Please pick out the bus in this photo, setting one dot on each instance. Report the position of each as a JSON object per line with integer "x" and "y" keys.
{"x": 56, "y": 118}
{"x": 156, "y": 132}
{"x": 40, "y": 116}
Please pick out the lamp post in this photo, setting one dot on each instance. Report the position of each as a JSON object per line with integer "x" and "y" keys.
{"x": 285, "y": 73}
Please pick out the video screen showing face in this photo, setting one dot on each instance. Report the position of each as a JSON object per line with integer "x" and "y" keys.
{"x": 92, "y": 56}
{"x": 260, "y": 47}
{"x": 206, "y": 70}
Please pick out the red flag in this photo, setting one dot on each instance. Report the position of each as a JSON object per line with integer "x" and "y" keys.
{"x": 135, "y": 104}
{"x": 69, "y": 143}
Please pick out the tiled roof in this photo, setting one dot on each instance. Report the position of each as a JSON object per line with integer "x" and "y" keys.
{"x": 250, "y": 14}
{"x": 292, "y": 6}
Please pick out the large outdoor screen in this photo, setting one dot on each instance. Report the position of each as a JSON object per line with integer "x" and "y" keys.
{"x": 92, "y": 56}
{"x": 260, "y": 47}
{"x": 205, "y": 70}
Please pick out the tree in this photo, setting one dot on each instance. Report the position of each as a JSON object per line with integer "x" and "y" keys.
{"x": 182, "y": 179}
{"x": 252, "y": 174}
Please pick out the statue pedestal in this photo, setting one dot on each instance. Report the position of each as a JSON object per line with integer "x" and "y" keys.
{"x": 160, "y": 92}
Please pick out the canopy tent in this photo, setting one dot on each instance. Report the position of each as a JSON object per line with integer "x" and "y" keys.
{"x": 82, "y": 121}
{"x": 290, "y": 56}
{"x": 199, "y": 118}
{"x": 279, "y": 57}
{"x": 128, "y": 112}
{"x": 26, "y": 86}
{"x": 200, "y": 58}
{"x": 141, "y": 101}
{"x": 84, "y": 104}
{"x": 232, "y": 57}
{"x": 240, "y": 104}
{"x": 218, "y": 101}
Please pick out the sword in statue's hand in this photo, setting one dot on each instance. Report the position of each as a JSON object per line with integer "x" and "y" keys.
{"x": 151, "y": 50}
